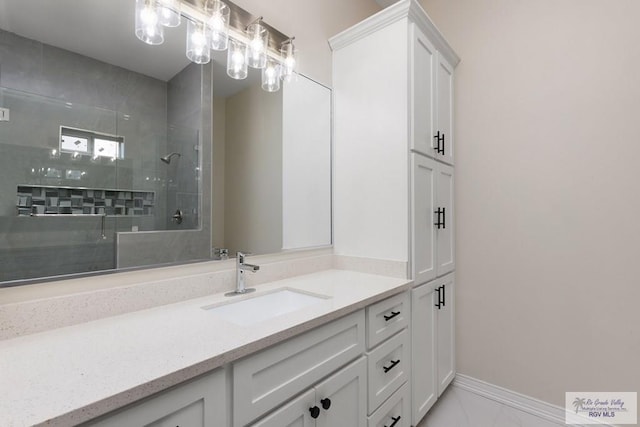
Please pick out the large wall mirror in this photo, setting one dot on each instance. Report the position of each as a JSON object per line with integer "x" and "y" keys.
{"x": 115, "y": 154}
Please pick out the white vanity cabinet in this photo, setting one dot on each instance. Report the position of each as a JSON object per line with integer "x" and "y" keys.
{"x": 337, "y": 401}
{"x": 445, "y": 333}
{"x": 431, "y": 99}
{"x": 201, "y": 402}
{"x": 393, "y": 76}
{"x": 432, "y": 343}
{"x": 372, "y": 389}
{"x": 271, "y": 377}
{"x": 389, "y": 361}
{"x": 433, "y": 247}
{"x": 393, "y": 95}
{"x": 352, "y": 371}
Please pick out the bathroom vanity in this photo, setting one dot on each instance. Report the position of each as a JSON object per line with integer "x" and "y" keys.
{"x": 334, "y": 347}
{"x": 181, "y": 361}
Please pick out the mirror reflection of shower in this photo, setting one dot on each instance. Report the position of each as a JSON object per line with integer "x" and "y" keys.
{"x": 167, "y": 158}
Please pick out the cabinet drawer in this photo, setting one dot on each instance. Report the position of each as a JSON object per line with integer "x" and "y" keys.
{"x": 265, "y": 380}
{"x": 394, "y": 412}
{"x": 388, "y": 368}
{"x": 201, "y": 402}
{"x": 387, "y": 317}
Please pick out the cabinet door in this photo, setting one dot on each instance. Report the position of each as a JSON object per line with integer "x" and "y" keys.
{"x": 445, "y": 232}
{"x": 446, "y": 363}
{"x": 265, "y": 380}
{"x": 295, "y": 414}
{"x": 422, "y": 97}
{"x": 444, "y": 115}
{"x": 423, "y": 234}
{"x": 201, "y": 402}
{"x": 342, "y": 397}
{"x": 423, "y": 367}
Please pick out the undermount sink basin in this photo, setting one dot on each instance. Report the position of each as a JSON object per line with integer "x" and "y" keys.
{"x": 263, "y": 307}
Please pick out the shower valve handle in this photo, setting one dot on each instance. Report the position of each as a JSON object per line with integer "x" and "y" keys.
{"x": 177, "y": 217}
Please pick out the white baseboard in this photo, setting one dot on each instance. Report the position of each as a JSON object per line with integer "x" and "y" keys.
{"x": 512, "y": 399}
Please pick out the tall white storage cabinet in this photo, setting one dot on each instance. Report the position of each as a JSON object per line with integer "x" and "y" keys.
{"x": 394, "y": 172}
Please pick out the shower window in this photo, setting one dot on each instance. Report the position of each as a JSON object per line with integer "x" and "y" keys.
{"x": 78, "y": 142}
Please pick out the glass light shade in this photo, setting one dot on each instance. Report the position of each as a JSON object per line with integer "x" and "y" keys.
{"x": 169, "y": 13}
{"x": 198, "y": 42}
{"x": 237, "y": 60}
{"x": 219, "y": 24}
{"x": 271, "y": 76}
{"x": 288, "y": 54}
{"x": 148, "y": 28}
{"x": 258, "y": 39}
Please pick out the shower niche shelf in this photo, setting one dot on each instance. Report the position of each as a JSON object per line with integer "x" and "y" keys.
{"x": 36, "y": 200}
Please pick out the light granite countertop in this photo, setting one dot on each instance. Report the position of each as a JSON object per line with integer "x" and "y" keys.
{"x": 70, "y": 375}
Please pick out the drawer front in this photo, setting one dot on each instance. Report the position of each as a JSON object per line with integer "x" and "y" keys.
{"x": 265, "y": 380}
{"x": 386, "y": 318}
{"x": 388, "y": 368}
{"x": 395, "y": 412}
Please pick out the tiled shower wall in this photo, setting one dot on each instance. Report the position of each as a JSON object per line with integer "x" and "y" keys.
{"x": 190, "y": 107}
{"x": 184, "y": 115}
{"x": 48, "y": 87}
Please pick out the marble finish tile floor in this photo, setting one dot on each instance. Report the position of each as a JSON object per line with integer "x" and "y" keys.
{"x": 462, "y": 408}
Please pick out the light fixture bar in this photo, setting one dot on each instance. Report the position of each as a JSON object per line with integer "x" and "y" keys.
{"x": 239, "y": 20}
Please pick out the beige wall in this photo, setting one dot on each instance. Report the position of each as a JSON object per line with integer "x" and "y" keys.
{"x": 253, "y": 172}
{"x": 312, "y": 22}
{"x": 548, "y": 192}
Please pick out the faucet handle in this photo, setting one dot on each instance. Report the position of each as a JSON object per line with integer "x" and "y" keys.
{"x": 240, "y": 256}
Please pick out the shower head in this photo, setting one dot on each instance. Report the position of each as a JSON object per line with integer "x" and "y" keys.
{"x": 167, "y": 158}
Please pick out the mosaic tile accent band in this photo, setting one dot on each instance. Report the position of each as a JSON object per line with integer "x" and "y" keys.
{"x": 39, "y": 200}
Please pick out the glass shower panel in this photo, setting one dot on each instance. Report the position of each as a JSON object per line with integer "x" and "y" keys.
{"x": 53, "y": 197}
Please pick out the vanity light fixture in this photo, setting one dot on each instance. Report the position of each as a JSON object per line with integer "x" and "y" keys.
{"x": 218, "y": 25}
{"x": 237, "y": 60}
{"x": 288, "y": 54}
{"x": 258, "y": 39}
{"x": 169, "y": 13}
{"x": 148, "y": 27}
{"x": 198, "y": 42}
{"x": 271, "y": 76}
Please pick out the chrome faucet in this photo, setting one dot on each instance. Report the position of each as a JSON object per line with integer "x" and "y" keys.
{"x": 241, "y": 267}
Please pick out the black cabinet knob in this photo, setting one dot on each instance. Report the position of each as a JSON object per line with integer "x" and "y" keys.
{"x": 315, "y": 412}
{"x": 326, "y": 403}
